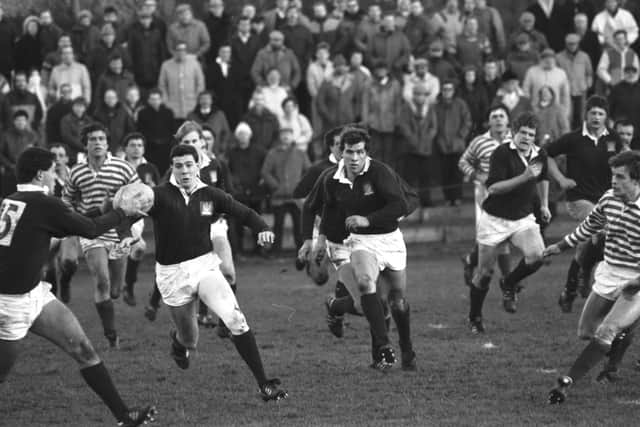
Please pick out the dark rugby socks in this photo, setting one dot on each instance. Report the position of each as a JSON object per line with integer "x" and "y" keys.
{"x": 107, "y": 316}
{"x": 97, "y": 377}
{"x": 341, "y": 290}
{"x": 476, "y": 298}
{"x": 521, "y": 271}
{"x": 154, "y": 301}
{"x": 248, "y": 350}
{"x": 401, "y": 313}
{"x": 590, "y": 356}
{"x": 372, "y": 308}
{"x": 572, "y": 277}
{"x": 131, "y": 275}
{"x": 619, "y": 347}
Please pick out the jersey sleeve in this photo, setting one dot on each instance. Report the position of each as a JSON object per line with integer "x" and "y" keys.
{"x": 313, "y": 206}
{"x": 560, "y": 146}
{"x": 391, "y": 191}
{"x": 498, "y": 170}
{"x": 226, "y": 204}
{"x": 65, "y": 222}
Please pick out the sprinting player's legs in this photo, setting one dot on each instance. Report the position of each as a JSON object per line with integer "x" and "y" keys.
{"x": 133, "y": 262}
{"x": 57, "y": 324}
{"x": 487, "y": 255}
{"x": 401, "y": 313}
{"x": 222, "y": 248}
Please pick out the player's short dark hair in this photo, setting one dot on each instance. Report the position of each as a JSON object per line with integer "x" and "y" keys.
{"x": 65, "y": 147}
{"x": 630, "y": 160}
{"x": 131, "y": 136}
{"x": 90, "y": 128}
{"x": 20, "y": 113}
{"x": 154, "y": 91}
{"x": 352, "y": 135}
{"x": 623, "y": 122}
{"x": 528, "y": 120}
{"x": 31, "y": 161}
{"x": 597, "y": 101}
{"x": 184, "y": 150}
{"x": 287, "y": 100}
{"x": 114, "y": 57}
{"x": 20, "y": 72}
{"x": 499, "y": 106}
{"x": 110, "y": 9}
{"x": 209, "y": 129}
{"x": 330, "y": 136}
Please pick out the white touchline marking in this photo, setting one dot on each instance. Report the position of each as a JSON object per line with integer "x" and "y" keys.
{"x": 548, "y": 370}
{"x": 628, "y": 402}
{"x": 437, "y": 325}
{"x": 489, "y": 346}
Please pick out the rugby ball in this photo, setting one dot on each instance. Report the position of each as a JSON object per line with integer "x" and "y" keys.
{"x": 132, "y": 197}
{"x": 318, "y": 267}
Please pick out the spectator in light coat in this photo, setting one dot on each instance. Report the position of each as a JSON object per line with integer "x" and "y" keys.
{"x": 421, "y": 76}
{"x": 181, "y": 80}
{"x": 188, "y": 30}
{"x": 291, "y": 118}
{"x": 612, "y": 19}
{"x": 547, "y": 73}
{"x": 319, "y": 70}
{"x": 579, "y": 69}
{"x": 614, "y": 59}
{"x": 71, "y": 72}
{"x": 338, "y": 98}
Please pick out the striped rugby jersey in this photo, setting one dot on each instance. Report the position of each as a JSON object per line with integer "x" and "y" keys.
{"x": 86, "y": 188}
{"x": 620, "y": 221}
{"x": 477, "y": 155}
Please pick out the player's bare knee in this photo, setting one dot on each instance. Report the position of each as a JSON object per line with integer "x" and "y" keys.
{"x": 533, "y": 258}
{"x": 68, "y": 266}
{"x": 605, "y": 334}
{"x": 82, "y": 351}
{"x": 482, "y": 278}
{"x": 399, "y": 304}
{"x": 236, "y": 322}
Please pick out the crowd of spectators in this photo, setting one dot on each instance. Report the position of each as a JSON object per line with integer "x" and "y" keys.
{"x": 268, "y": 84}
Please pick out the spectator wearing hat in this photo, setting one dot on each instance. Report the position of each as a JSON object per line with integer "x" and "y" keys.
{"x": 612, "y": 19}
{"x": 588, "y": 39}
{"x": 579, "y": 69}
{"x": 115, "y": 77}
{"x": 338, "y": 98}
{"x": 323, "y": 26}
{"x": 55, "y": 113}
{"x": 8, "y": 37}
{"x": 624, "y": 99}
{"x": 99, "y": 57}
{"x": 284, "y": 166}
{"x": 84, "y": 35}
{"x": 512, "y": 96}
{"x": 245, "y": 167}
{"x": 20, "y": 99}
{"x": 71, "y": 127}
{"x": 474, "y": 94}
{"x": 293, "y": 119}
{"x": 219, "y": 24}
{"x": 524, "y": 57}
{"x": 276, "y": 55}
{"x": 264, "y": 124}
{"x": 244, "y": 48}
{"x": 147, "y": 50}
{"x": 421, "y": 76}
{"x": 368, "y": 27}
{"x": 48, "y": 34}
{"x": 318, "y": 71}
{"x": 115, "y": 118}
{"x": 472, "y": 47}
{"x": 72, "y": 72}
{"x": 547, "y": 73}
{"x": 380, "y": 104}
{"x": 454, "y": 127}
{"x": 14, "y": 141}
{"x": 417, "y": 126}
{"x": 188, "y": 30}
{"x": 208, "y": 113}
{"x": 613, "y": 60}
{"x": 549, "y": 21}
{"x": 391, "y": 46}
{"x": 527, "y": 23}
{"x": 181, "y": 80}
{"x": 156, "y": 122}
{"x": 28, "y": 47}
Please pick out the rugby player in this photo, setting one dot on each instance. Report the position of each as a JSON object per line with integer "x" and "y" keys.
{"x": 372, "y": 201}
{"x": 90, "y": 185}
{"x": 517, "y": 172}
{"x": 29, "y": 219}
{"x": 188, "y": 269}
{"x": 134, "y": 148}
{"x": 474, "y": 164}
{"x": 613, "y": 306}
{"x": 588, "y": 177}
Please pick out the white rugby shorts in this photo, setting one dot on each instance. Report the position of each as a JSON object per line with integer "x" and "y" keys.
{"x": 178, "y": 283}
{"x": 493, "y": 231}
{"x": 609, "y": 279}
{"x": 339, "y": 253}
{"x": 219, "y": 228}
{"x": 114, "y": 249}
{"x": 18, "y": 312}
{"x": 389, "y": 249}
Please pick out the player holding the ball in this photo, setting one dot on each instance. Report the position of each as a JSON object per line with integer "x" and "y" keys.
{"x": 187, "y": 268}
{"x": 89, "y": 187}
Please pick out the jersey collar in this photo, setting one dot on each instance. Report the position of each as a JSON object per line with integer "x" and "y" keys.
{"x": 534, "y": 152}
{"x": 594, "y": 138}
{"x": 32, "y": 187}
{"x": 341, "y": 174}
{"x": 185, "y": 195}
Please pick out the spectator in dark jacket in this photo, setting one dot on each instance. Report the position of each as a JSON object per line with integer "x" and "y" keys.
{"x": 49, "y": 33}
{"x": 156, "y": 122}
{"x": 8, "y": 36}
{"x": 589, "y": 42}
{"x": 100, "y": 55}
{"x": 338, "y": 100}
{"x": 14, "y": 141}
{"x": 276, "y": 55}
{"x": 624, "y": 99}
{"x": 454, "y": 125}
{"x": 490, "y": 77}
{"x": 146, "y": 49}
{"x": 346, "y": 31}
{"x": 391, "y": 46}
{"x": 475, "y": 95}
{"x": 264, "y": 124}
{"x": 115, "y": 77}
{"x": 219, "y": 25}
{"x": 21, "y": 99}
{"x": 439, "y": 66}
{"x": 28, "y": 47}
{"x": 56, "y": 112}
{"x": 244, "y": 48}
{"x": 84, "y": 35}
{"x": 221, "y": 79}
{"x": 417, "y": 30}
{"x": 208, "y": 113}
{"x": 550, "y": 23}
{"x": 524, "y": 57}
{"x": 115, "y": 118}
{"x": 71, "y": 127}
{"x": 417, "y": 127}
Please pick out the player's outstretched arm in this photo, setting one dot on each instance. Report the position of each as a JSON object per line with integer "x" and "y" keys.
{"x": 66, "y": 222}
{"x": 391, "y": 191}
{"x": 245, "y": 215}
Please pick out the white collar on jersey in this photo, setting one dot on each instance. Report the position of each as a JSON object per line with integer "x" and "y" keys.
{"x": 594, "y": 138}
{"x": 199, "y": 185}
{"x": 534, "y": 152}
{"x": 341, "y": 174}
{"x": 333, "y": 159}
{"x": 33, "y": 187}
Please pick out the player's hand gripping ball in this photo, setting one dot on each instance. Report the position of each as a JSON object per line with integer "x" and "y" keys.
{"x": 134, "y": 199}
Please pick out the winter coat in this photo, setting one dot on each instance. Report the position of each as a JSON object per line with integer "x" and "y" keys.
{"x": 380, "y": 104}
{"x": 393, "y": 48}
{"x": 338, "y": 102}
{"x": 454, "y": 125}
{"x": 245, "y": 166}
{"x": 282, "y": 170}
{"x": 109, "y": 80}
{"x": 417, "y": 129}
{"x": 98, "y": 59}
{"x": 117, "y": 121}
{"x": 71, "y": 129}
{"x": 217, "y": 121}
{"x": 13, "y": 143}
{"x": 147, "y": 52}
{"x": 264, "y": 126}
{"x": 283, "y": 59}
{"x": 54, "y": 116}
{"x": 180, "y": 84}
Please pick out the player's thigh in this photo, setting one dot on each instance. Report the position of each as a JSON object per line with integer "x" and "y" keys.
{"x": 69, "y": 250}
{"x": 138, "y": 250}
{"x": 117, "y": 268}
{"x": 59, "y": 325}
{"x": 529, "y": 241}
{"x": 366, "y": 270}
{"x": 8, "y": 355}
{"x": 594, "y": 311}
{"x": 185, "y": 320}
{"x": 396, "y": 281}
{"x": 222, "y": 248}
{"x": 487, "y": 255}
{"x": 215, "y": 292}
{"x": 624, "y": 313}
{"x": 98, "y": 263}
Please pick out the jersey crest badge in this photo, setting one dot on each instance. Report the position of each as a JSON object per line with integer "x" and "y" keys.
{"x": 213, "y": 176}
{"x": 367, "y": 189}
{"x": 206, "y": 208}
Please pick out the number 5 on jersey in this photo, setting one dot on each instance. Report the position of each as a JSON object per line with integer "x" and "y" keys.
{"x": 10, "y": 213}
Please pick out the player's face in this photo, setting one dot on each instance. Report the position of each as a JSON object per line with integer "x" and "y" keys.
{"x": 625, "y": 133}
{"x": 97, "y": 144}
{"x": 61, "y": 156}
{"x": 48, "y": 178}
{"x": 354, "y": 157}
{"x": 622, "y": 184}
{"x": 596, "y": 118}
{"x": 525, "y": 138}
{"x": 498, "y": 121}
{"x": 193, "y": 138}
{"x": 134, "y": 149}
{"x": 184, "y": 170}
